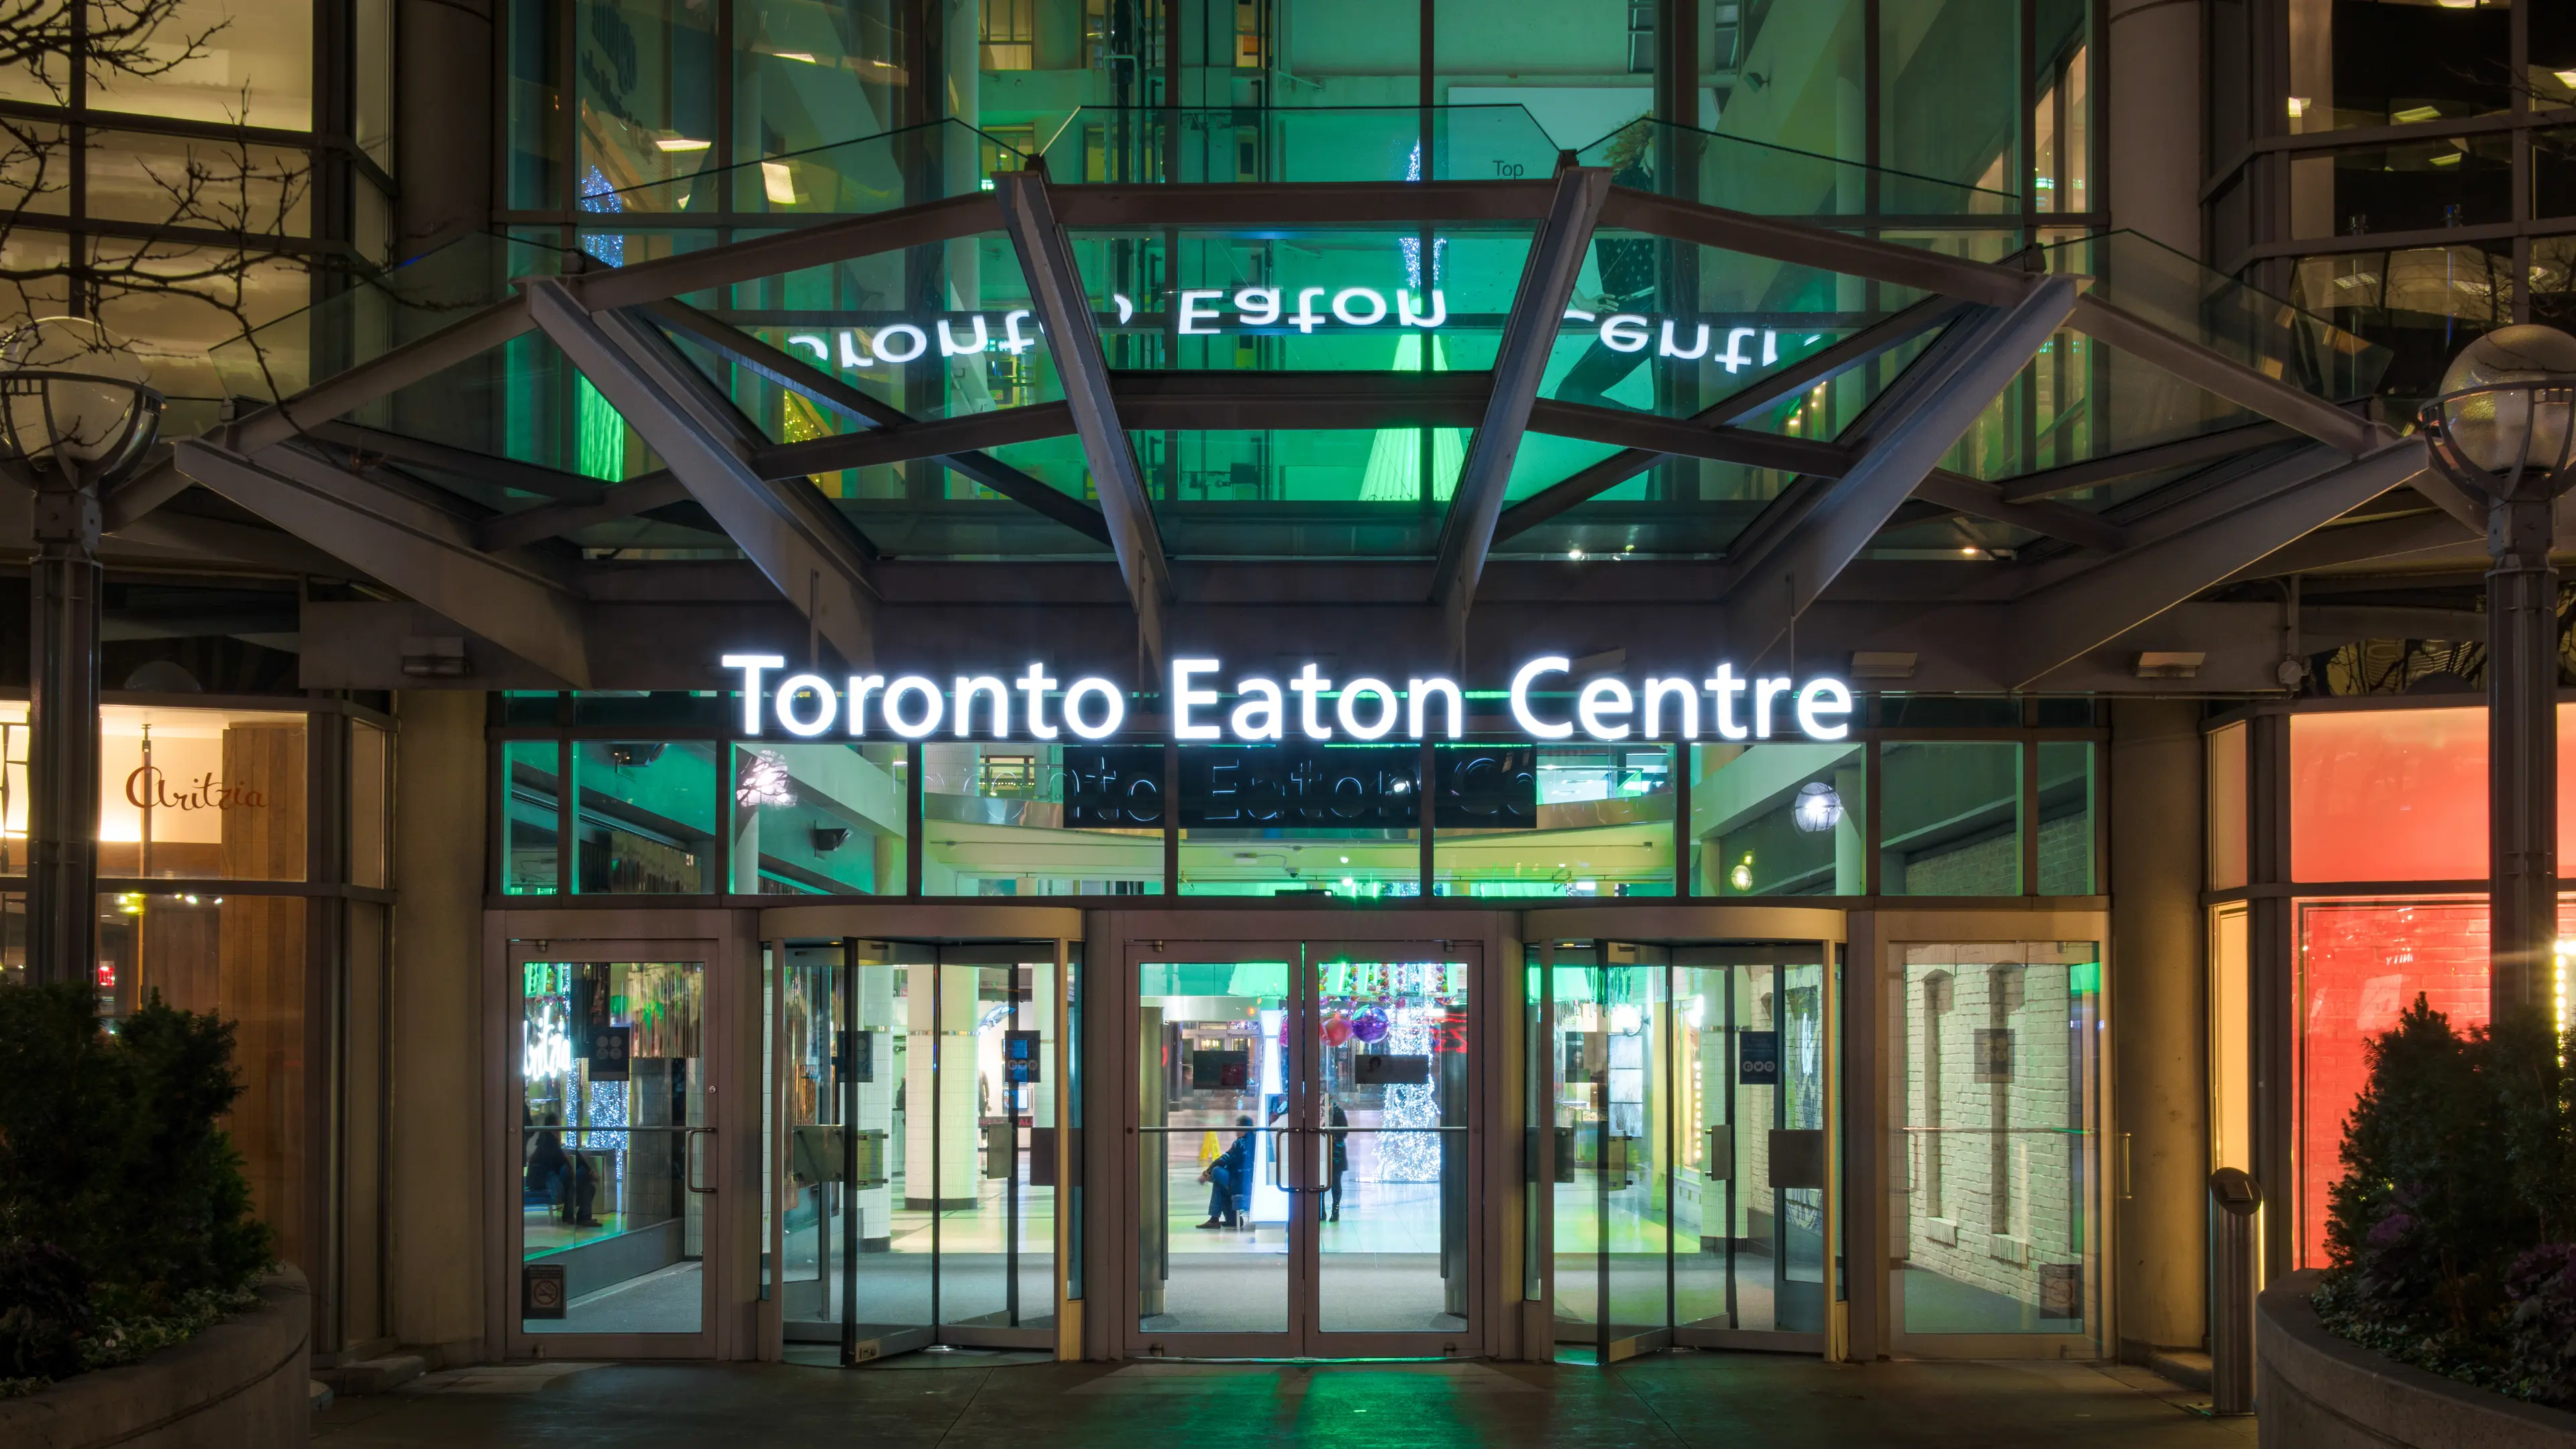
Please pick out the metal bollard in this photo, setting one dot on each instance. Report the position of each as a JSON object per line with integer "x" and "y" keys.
{"x": 2233, "y": 1199}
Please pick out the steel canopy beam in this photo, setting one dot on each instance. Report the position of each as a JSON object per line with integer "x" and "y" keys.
{"x": 2056, "y": 623}
{"x": 1804, "y": 244}
{"x": 2111, "y": 468}
{"x": 1073, "y": 334}
{"x": 1982, "y": 499}
{"x": 787, "y": 529}
{"x": 1735, "y": 409}
{"x": 1916, "y": 421}
{"x": 426, "y": 552}
{"x": 368, "y": 381}
{"x": 799, "y": 376}
{"x": 1538, "y": 311}
{"x": 818, "y": 245}
{"x": 627, "y": 499}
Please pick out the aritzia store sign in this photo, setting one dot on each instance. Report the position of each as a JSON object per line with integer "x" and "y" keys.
{"x": 1306, "y": 750}
{"x": 1289, "y": 312}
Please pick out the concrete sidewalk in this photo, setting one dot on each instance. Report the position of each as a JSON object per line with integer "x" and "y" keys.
{"x": 1711, "y": 1399}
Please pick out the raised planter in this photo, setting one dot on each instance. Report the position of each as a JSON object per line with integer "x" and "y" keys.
{"x": 245, "y": 1381}
{"x": 2313, "y": 1390}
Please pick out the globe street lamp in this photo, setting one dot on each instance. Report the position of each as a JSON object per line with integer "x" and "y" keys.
{"x": 76, "y": 418}
{"x": 2503, "y": 429}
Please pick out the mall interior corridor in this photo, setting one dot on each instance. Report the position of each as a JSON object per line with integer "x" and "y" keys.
{"x": 969, "y": 1400}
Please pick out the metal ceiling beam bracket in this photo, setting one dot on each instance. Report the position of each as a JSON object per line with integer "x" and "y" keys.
{"x": 787, "y": 529}
{"x": 627, "y": 499}
{"x": 1538, "y": 313}
{"x": 2055, "y": 624}
{"x": 1905, "y": 435}
{"x": 1073, "y": 340}
{"x": 428, "y": 553}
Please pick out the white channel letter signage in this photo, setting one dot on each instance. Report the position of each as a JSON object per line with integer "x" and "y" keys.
{"x": 1217, "y": 312}
{"x": 1039, "y": 706}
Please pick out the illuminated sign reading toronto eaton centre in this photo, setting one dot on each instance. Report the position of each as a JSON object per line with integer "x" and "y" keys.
{"x": 1213, "y": 312}
{"x": 1306, "y": 705}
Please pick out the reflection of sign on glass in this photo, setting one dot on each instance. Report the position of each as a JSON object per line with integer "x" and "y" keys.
{"x": 1389, "y": 1071}
{"x": 1757, "y": 1058}
{"x": 1994, "y": 1054}
{"x": 1019, "y": 1057}
{"x": 1301, "y": 783}
{"x": 610, "y": 1049}
{"x": 1482, "y": 787}
{"x": 1220, "y": 1071}
{"x": 1113, "y": 787}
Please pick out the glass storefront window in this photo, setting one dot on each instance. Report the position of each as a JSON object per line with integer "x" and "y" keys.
{"x": 243, "y": 958}
{"x": 826, "y": 819}
{"x": 2361, "y": 964}
{"x": 531, "y": 817}
{"x": 2227, "y": 805}
{"x": 1301, "y": 819}
{"x": 1999, "y": 1122}
{"x": 2388, "y": 794}
{"x": 2066, "y": 794}
{"x": 202, "y": 793}
{"x": 1012, "y": 818}
{"x": 1784, "y": 819}
{"x": 371, "y": 787}
{"x": 1585, "y": 820}
{"x": 646, "y": 821}
{"x": 1950, "y": 819}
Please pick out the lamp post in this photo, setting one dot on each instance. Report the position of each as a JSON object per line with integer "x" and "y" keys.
{"x": 2502, "y": 429}
{"x": 75, "y": 419}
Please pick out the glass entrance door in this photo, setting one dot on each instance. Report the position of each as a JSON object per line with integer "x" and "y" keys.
{"x": 1303, "y": 1152}
{"x": 1690, "y": 1109}
{"x": 613, "y": 1232}
{"x": 914, "y": 1154}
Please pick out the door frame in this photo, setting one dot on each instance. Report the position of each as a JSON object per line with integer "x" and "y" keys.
{"x": 725, "y": 1156}
{"x": 1125, "y": 940}
{"x": 1875, "y": 944}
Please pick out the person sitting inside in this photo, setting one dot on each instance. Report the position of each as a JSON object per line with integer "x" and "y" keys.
{"x": 1229, "y": 1180}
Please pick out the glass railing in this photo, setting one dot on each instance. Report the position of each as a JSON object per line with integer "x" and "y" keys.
{"x": 1292, "y": 144}
{"x": 885, "y": 172}
{"x": 378, "y": 314}
{"x": 2254, "y": 327}
{"x": 1690, "y": 164}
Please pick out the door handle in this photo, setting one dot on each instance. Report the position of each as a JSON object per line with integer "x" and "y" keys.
{"x": 689, "y": 1162}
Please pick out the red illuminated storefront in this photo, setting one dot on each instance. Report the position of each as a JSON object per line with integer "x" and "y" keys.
{"x": 2376, "y": 895}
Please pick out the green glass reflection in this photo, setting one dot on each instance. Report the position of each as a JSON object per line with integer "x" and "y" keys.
{"x": 1950, "y": 822}
{"x": 1779, "y": 819}
{"x": 647, "y": 818}
{"x": 531, "y": 816}
{"x": 2066, "y": 788}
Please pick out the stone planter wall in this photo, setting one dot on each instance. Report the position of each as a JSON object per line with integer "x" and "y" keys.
{"x": 244, "y": 1382}
{"x": 2313, "y": 1390}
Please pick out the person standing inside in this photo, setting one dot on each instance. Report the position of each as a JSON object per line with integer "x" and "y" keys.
{"x": 1338, "y": 1124}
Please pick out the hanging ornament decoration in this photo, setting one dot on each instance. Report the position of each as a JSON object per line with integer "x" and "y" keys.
{"x": 1369, "y": 1025}
{"x": 1337, "y": 1030}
